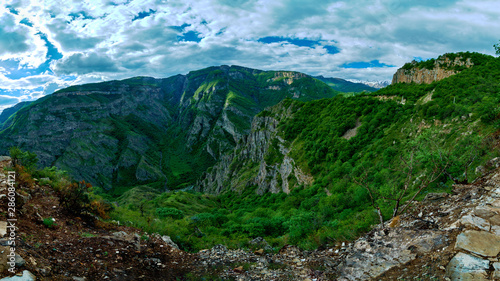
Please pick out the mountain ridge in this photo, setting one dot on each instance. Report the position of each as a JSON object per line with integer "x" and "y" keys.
{"x": 151, "y": 130}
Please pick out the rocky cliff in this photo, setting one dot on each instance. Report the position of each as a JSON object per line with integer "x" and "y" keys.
{"x": 261, "y": 159}
{"x": 434, "y": 70}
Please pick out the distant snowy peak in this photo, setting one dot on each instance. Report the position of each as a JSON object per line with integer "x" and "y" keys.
{"x": 374, "y": 84}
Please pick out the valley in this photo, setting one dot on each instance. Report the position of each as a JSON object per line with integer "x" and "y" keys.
{"x": 227, "y": 155}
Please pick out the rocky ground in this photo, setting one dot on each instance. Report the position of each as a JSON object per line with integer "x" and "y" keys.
{"x": 444, "y": 237}
{"x": 75, "y": 248}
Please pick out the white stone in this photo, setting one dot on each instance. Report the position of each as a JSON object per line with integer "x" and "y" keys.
{"x": 495, "y": 229}
{"x": 473, "y": 221}
{"x": 3, "y": 228}
{"x": 465, "y": 267}
{"x": 496, "y": 273}
{"x": 495, "y": 193}
{"x": 27, "y": 276}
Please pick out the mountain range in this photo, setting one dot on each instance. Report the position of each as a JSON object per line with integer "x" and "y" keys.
{"x": 142, "y": 130}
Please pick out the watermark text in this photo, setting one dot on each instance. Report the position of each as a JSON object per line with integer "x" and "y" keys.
{"x": 11, "y": 220}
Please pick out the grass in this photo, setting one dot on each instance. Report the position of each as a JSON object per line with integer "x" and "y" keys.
{"x": 87, "y": 235}
{"x": 49, "y": 222}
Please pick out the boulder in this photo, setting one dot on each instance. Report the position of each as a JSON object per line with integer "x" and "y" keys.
{"x": 19, "y": 261}
{"x": 3, "y": 228}
{"x": 475, "y": 222}
{"x": 486, "y": 212}
{"x": 496, "y": 273}
{"x": 120, "y": 235}
{"x": 479, "y": 242}
{"x": 374, "y": 254}
{"x": 260, "y": 242}
{"x": 495, "y": 220}
{"x": 466, "y": 267}
{"x": 169, "y": 241}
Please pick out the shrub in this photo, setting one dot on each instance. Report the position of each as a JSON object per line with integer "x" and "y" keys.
{"x": 23, "y": 177}
{"x": 101, "y": 208}
{"x": 169, "y": 212}
{"x": 49, "y": 222}
{"x": 23, "y": 158}
{"x": 74, "y": 198}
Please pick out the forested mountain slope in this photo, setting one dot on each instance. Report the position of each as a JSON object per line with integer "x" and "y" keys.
{"x": 162, "y": 132}
{"x": 332, "y": 156}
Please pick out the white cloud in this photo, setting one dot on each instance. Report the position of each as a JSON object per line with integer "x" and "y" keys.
{"x": 100, "y": 40}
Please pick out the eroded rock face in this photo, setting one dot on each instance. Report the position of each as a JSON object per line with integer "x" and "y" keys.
{"x": 442, "y": 69}
{"x": 260, "y": 159}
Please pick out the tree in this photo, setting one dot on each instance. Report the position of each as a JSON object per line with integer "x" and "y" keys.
{"x": 431, "y": 171}
{"x": 457, "y": 155}
{"x": 419, "y": 165}
{"x": 497, "y": 48}
{"x": 372, "y": 192}
{"x": 23, "y": 158}
{"x": 74, "y": 198}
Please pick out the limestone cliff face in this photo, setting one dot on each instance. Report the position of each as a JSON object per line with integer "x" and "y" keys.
{"x": 260, "y": 159}
{"x": 442, "y": 68}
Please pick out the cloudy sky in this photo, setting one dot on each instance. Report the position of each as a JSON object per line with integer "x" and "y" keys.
{"x": 47, "y": 45}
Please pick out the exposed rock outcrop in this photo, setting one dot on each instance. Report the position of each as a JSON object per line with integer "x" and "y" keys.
{"x": 442, "y": 68}
{"x": 261, "y": 158}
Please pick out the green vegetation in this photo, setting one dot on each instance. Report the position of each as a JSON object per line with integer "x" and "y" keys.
{"x": 413, "y": 139}
{"x": 345, "y": 86}
{"x": 77, "y": 198}
{"x": 160, "y": 133}
{"x": 400, "y": 153}
{"x": 476, "y": 58}
{"x": 49, "y": 222}
{"x": 23, "y": 158}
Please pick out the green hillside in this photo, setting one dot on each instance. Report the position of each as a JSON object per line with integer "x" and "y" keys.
{"x": 307, "y": 171}
{"x": 408, "y": 136}
{"x": 345, "y": 86}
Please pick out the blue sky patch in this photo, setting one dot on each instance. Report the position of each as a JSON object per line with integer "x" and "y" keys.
{"x": 15, "y": 72}
{"x": 298, "y": 42}
{"x": 364, "y": 64}
{"x": 144, "y": 14}
{"x": 80, "y": 15}
{"x": 180, "y": 28}
{"x": 190, "y": 36}
{"x": 12, "y": 93}
{"x": 331, "y": 49}
{"x": 12, "y": 10}
{"x": 26, "y": 22}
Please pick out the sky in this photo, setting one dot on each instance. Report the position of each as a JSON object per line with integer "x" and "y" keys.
{"x": 49, "y": 45}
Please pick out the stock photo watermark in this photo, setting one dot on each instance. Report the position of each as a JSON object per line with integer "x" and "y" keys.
{"x": 11, "y": 220}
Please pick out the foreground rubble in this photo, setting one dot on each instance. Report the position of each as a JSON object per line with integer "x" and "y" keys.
{"x": 445, "y": 237}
